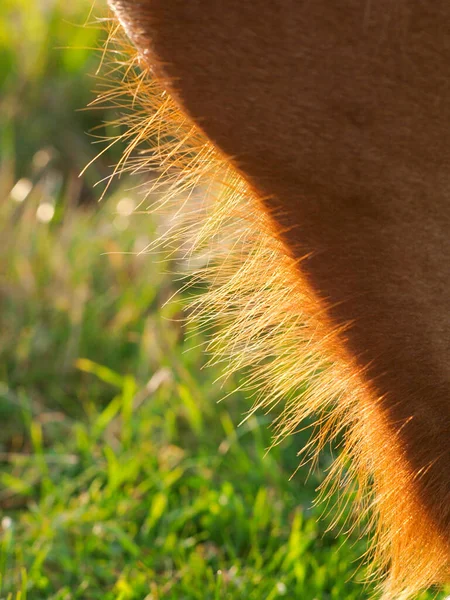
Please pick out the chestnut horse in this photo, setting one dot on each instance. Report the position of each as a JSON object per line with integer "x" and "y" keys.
{"x": 334, "y": 115}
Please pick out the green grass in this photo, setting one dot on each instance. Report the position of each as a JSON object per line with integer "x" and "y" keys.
{"x": 121, "y": 476}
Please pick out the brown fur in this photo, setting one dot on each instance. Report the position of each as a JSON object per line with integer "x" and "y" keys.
{"x": 331, "y": 120}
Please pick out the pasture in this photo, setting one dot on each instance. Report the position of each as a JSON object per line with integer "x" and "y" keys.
{"x": 122, "y": 476}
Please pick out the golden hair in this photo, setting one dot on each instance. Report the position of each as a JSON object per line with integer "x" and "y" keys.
{"x": 273, "y": 324}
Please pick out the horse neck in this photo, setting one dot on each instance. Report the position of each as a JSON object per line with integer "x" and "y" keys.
{"x": 337, "y": 116}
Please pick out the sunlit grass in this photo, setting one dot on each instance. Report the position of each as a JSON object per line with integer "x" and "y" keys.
{"x": 121, "y": 474}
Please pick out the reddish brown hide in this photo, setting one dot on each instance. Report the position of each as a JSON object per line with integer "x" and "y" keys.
{"x": 338, "y": 115}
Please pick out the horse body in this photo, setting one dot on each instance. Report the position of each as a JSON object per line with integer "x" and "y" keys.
{"x": 336, "y": 115}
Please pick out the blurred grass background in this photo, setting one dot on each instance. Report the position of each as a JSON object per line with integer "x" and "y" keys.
{"x": 120, "y": 475}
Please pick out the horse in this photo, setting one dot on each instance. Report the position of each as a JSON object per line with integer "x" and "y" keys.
{"x": 329, "y": 124}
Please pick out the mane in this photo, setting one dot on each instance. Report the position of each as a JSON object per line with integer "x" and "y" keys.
{"x": 271, "y": 323}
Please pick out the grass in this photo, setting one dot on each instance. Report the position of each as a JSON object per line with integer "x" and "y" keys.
{"x": 121, "y": 476}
